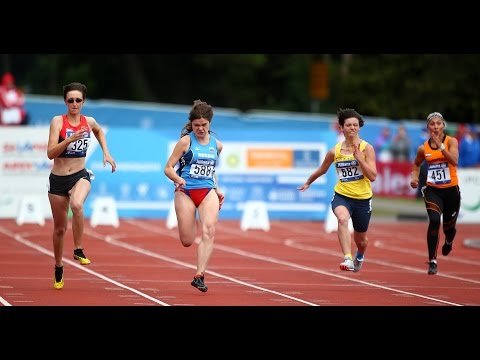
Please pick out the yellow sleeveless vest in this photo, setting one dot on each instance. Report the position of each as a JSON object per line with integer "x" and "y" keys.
{"x": 351, "y": 181}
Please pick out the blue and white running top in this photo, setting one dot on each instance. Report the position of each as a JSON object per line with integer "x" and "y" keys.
{"x": 197, "y": 165}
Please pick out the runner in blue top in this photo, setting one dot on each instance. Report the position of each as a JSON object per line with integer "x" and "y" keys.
{"x": 191, "y": 167}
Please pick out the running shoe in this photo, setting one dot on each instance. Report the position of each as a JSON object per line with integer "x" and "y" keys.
{"x": 432, "y": 267}
{"x": 446, "y": 248}
{"x": 357, "y": 264}
{"x": 58, "y": 278}
{"x": 80, "y": 256}
{"x": 347, "y": 265}
{"x": 198, "y": 283}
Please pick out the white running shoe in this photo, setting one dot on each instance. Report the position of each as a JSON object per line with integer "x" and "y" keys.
{"x": 347, "y": 265}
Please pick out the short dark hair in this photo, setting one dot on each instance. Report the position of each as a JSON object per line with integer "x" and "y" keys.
{"x": 347, "y": 113}
{"x": 75, "y": 86}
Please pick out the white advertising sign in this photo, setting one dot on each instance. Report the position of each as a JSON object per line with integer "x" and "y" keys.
{"x": 24, "y": 167}
{"x": 469, "y": 182}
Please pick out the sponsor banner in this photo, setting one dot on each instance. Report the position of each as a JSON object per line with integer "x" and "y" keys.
{"x": 24, "y": 167}
{"x": 281, "y": 157}
{"x": 269, "y": 158}
{"x": 271, "y": 172}
{"x": 393, "y": 180}
{"x": 469, "y": 183}
{"x": 267, "y": 171}
{"x": 24, "y": 152}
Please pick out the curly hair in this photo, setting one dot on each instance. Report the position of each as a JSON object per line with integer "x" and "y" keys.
{"x": 347, "y": 113}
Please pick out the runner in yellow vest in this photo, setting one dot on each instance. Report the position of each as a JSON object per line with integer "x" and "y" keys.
{"x": 355, "y": 164}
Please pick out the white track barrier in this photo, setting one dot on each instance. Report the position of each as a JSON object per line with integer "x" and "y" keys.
{"x": 331, "y": 223}
{"x": 255, "y": 216}
{"x": 31, "y": 210}
{"x": 172, "y": 217}
{"x": 104, "y": 212}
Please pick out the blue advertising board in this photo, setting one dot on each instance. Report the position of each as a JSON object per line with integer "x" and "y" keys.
{"x": 138, "y": 185}
{"x": 266, "y": 156}
{"x": 269, "y": 171}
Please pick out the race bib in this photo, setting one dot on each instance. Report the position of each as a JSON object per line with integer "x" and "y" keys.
{"x": 349, "y": 171}
{"x": 439, "y": 174}
{"x": 79, "y": 146}
{"x": 202, "y": 170}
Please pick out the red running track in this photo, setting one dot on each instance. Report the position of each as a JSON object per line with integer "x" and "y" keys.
{"x": 142, "y": 263}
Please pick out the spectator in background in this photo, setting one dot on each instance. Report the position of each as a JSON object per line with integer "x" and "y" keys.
{"x": 459, "y": 132}
{"x": 468, "y": 148}
{"x": 12, "y": 102}
{"x": 400, "y": 146}
{"x": 382, "y": 145}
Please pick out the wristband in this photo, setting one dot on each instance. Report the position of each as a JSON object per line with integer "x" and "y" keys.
{"x": 442, "y": 147}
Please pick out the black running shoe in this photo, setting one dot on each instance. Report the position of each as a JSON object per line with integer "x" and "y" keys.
{"x": 80, "y": 256}
{"x": 446, "y": 248}
{"x": 432, "y": 267}
{"x": 58, "y": 279}
{"x": 198, "y": 283}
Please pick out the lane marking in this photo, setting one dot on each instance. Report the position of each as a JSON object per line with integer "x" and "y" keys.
{"x": 113, "y": 241}
{"x": 291, "y": 243}
{"x": 382, "y": 245}
{"x": 41, "y": 249}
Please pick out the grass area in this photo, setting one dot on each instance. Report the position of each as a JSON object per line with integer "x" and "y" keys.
{"x": 397, "y": 200}
{"x": 389, "y": 206}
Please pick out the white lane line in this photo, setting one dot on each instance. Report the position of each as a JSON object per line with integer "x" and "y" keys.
{"x": 327, "y": 273}
{"x": 4, "y": 302}
{"x": 378, "y": 262}
{"x": 113, "y": 241}
{"x": 306, "y": 268}
{"x": 382, "y": 245}
{"x": 41, "y": 249}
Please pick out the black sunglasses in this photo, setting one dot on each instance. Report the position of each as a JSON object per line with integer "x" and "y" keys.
{"x": 77, "y": 100}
